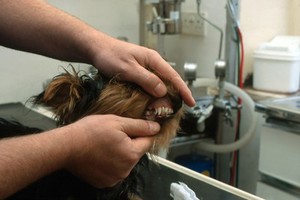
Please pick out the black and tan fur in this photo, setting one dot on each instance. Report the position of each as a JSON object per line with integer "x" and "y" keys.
{"x": 72, "y": 96}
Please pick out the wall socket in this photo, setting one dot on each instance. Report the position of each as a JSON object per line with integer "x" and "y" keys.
{"x": 193, "y": 24}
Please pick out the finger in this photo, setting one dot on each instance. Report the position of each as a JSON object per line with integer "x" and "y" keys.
{"x": 156, "y": 63}
{"x": 184, "y": 91}
{"x": 143, "y": 144}
{"x": 153, "y": 84}
{"x": 139, "y": 128}
{"x": 147, "y": 80}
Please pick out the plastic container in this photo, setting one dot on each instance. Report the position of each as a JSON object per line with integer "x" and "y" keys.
{"x": 277, "y": 65}
{"x": 286, "y": 40}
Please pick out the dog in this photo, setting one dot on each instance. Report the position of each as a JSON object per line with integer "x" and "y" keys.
{"x": 73, "y": 95}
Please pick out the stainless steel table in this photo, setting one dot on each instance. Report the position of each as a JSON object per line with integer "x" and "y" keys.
{"x": 164, "y": 172}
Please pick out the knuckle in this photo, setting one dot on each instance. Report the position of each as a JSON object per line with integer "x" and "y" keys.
{"x": 133, "y": 158}
{"x": 153, "y": 53}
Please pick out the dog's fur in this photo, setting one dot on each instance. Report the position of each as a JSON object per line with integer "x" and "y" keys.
{"x": 72, "y": 96}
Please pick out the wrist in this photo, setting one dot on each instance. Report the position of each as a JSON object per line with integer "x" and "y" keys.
{"x": 97, "y": 47}
{"x": 69, "y": 143}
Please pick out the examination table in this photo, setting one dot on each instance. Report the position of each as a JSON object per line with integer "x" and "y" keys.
{"x": 161, "y": 172}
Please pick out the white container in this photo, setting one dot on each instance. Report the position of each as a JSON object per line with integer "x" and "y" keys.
{"x": 286, "y": 40}
{"x": 277, "y": 67}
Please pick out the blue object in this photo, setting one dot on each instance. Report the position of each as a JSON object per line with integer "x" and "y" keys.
{"x": 196, "y": 162}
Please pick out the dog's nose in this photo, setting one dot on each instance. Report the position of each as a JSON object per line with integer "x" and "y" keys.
{"x": 177, "y": 102}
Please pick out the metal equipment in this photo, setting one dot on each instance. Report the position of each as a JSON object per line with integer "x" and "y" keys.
{"x": 279, "y": 148}
{"x": 206, "y": 119}
{"x": 161, "y": 17}
{"x": 166, "y": 18}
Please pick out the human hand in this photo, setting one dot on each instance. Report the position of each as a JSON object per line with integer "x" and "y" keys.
{"x": 106, "y": 147}
{"x": 128, "y": 61}
{"x": 66, "y": 38}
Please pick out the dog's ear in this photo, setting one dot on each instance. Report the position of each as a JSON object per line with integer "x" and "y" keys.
{"x": 62, "y": 95}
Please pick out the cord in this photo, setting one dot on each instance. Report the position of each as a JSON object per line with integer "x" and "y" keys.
{"x": 235, "y": 156}
{"x": 240, "y": 63}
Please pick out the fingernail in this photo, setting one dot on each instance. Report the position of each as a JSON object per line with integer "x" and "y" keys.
{"x": 160, "y": 90}
{"x": 193, "y": 102}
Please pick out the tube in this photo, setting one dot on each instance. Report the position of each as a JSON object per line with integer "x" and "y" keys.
{"x": 248, "y": 104}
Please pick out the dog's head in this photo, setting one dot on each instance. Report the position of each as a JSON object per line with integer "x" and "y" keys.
{"x": 72, "y": 96}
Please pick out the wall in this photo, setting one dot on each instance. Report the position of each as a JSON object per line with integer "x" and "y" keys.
{"x": 117, "y": 18}
{"x": 22, "y": 74}
{"x": 263, "y": 20}
{"x": 198, "y": 49}
{"x": 260, "y": 21}
{"x": 295, "y": 16}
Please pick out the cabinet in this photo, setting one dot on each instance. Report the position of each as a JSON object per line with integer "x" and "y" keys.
{"x": 279, "y": 161}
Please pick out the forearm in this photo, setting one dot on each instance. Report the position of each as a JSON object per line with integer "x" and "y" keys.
{"x": 25, "y": 159}
{"x": 35, "y": 26}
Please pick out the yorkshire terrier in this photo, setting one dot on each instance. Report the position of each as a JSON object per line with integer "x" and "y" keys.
{"x": 72, "y": 96}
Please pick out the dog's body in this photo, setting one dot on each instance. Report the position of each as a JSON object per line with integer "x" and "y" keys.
{"x": 71, "y": 97}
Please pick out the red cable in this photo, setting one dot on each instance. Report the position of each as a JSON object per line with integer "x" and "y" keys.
{"x": 242, "y": 58}
{"x": 241, "y": 85}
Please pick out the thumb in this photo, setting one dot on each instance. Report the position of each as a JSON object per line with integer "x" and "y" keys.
{"x": 142, "y": 144}
{"x": 141, "y": 132}
{"x": 139, "y": 128}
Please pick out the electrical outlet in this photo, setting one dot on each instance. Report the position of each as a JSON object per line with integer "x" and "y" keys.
{"x": 193, "y": 24}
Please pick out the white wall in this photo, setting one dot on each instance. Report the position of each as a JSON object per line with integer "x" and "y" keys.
{"x": 260, "y": 21}
{"x": 197, "y": 49}
{"x": 295, "y": 16}
{"x": 114, "y": 17}
{"x": 263, "y": 20}
{"x": 22, "y": 74}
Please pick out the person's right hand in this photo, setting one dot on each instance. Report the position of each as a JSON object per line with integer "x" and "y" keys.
{"x": 130, "y": 62}
{"x": 107, "y": 147}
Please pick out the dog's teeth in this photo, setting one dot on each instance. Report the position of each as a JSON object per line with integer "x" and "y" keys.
{"x": 163, "y": 111}
{"x": 171, "y": 111}
{"x": 159, "y": 111}
{"x": 166, "y": 111}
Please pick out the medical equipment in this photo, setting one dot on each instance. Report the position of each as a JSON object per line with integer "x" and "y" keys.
{"x": 228, "y": 102}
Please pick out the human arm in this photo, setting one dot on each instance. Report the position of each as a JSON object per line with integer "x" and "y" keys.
{"x": 102, "y": 156}
{"x": 35, "y": 26}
